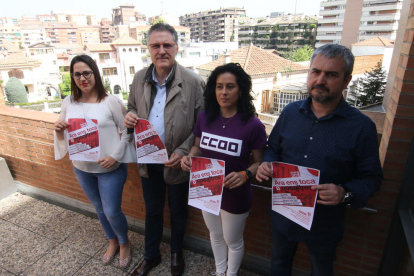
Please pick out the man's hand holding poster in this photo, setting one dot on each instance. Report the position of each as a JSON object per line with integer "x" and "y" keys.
{"x": 206, "y": 184}
{"x": 83, "y": 139}
{"x": 292, "y": 195}
{"x": 150, "y": 148}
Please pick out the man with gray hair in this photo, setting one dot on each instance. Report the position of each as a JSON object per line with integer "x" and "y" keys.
{"x": 170, "y": 97}
{"x": 325, "y": 133}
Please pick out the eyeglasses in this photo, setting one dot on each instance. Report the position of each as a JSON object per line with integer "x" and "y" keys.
{"x": 85, "y": 74}
{"x": 166, "y": 46}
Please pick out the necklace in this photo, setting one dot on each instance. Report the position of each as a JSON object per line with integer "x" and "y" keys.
{"x": 225, "y": 123}
{"x": 84, "y": 113}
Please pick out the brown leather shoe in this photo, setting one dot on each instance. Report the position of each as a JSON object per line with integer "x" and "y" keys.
{"x": 145, "y": 267}
{"x": 177, "y": 264}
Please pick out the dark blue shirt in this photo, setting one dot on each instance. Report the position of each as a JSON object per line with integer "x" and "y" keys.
{"x": 342, "y": 145}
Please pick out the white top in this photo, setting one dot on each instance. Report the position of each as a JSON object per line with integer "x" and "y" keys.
{"x": 110, "y": 115}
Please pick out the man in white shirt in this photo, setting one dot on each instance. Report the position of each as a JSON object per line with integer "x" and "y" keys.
{"x": 170, "y": 97}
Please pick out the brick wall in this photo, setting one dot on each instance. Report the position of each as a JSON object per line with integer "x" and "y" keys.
{"x": 26, "y": 142}
{"x": 398, "y": 127}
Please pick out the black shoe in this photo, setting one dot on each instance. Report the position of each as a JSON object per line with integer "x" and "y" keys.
{"x": 177, "y": 264}
{"x": 145, "y": 267}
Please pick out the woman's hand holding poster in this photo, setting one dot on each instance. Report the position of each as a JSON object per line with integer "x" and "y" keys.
{"x": 206, "y": 184}
{"x": 83, "y": 139}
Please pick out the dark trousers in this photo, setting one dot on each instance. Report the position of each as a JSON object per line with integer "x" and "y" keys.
{"x": 322, "y": 253}
{"x": 154, "y": 189}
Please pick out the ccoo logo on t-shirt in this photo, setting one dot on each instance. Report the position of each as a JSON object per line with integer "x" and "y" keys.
{"x": 221, "y": 144}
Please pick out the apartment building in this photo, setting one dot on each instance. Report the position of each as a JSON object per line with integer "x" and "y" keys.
{"x": 8, "y": 21}
{"x": 61, "y": 17}
{"x": 79, "y": 19}
{"x": 283, "y": 33}
{"x": 121, "y": 30}
{"x": 89, "y": 35}
{"x": 62, "y": 32}
{"x": 11, "y": 33}
{"x": 349, "y": 21}
{"x": 140, "y": 33}
{"x": 106, "y": 33}
{"x": 32, "y": 32}
{"x": 92, "y": 20}
{"x": 219, "y": 25}
{"x": 124, "y": 14}
{"x": 46, "y": 18}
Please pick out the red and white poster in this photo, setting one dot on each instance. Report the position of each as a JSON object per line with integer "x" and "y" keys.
{"x": 150, "y": 148}
{"x": 83, "y": 139}
{"x": 206, "y": 184}
{"x": 292, "y": 195}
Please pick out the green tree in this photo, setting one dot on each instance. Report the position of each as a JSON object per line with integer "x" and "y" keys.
{"x": 64, "y": 87}
{"x": 107, "y": 84}
{"x": 159, "y": 20}
{"x": 370, "y": 89}
{"x": 15, "y": 91}
{"x": 302, "y": 54}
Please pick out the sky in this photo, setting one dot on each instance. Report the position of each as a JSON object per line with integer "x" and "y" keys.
{"x": 102, "y": 8}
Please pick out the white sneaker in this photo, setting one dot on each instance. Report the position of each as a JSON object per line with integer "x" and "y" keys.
{"x": 214, "y": 273}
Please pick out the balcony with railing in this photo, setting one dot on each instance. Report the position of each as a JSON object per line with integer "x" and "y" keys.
{"x": 328, "y": 36}
{"x": 379, "y": 27}
{"x": 331, "y": 12}
{"x": 336, "y": 19}
{"x": 330, "y": 3}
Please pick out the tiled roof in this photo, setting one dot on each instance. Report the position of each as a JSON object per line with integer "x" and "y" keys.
{"x": 99, "y": 47}
{"x": 18, "y": 61}
{"x": 77, "y": 51}
{"x": 257, "y": 61}
{"x": 11, "y": 47}
{"x": 40, "y": 45}
{"x": 125, "y": 40}
{"x": 375, "y": 41}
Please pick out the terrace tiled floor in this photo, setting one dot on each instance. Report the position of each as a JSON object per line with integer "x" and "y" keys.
{"x": 38, "y": 238}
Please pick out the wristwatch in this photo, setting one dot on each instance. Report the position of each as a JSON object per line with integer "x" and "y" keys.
{"x": 249, "y": 174}
{"x": 348, "y": 194}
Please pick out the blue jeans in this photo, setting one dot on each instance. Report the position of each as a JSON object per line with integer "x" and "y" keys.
{"x": 322, "y": 253}
{"x": 104, "y": 191}
{"x": 154, "y": 189}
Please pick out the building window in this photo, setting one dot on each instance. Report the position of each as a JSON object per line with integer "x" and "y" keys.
{"x": 16, "y": 73}
{"x": 194, "y": 54}
{"x": 124, "y": 50}
{"x": 282, "y": 99}
{"x": 104, "y": 56}
{"x": 117, "y": 89}
{"x": 136, "y": 49}
{"x": 131, "y": 70}
{"x": 110, "y": 71}
{"x": 130, "y": 50}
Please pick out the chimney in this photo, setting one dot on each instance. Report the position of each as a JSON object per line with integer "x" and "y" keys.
{"x": 227, "y": 58}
